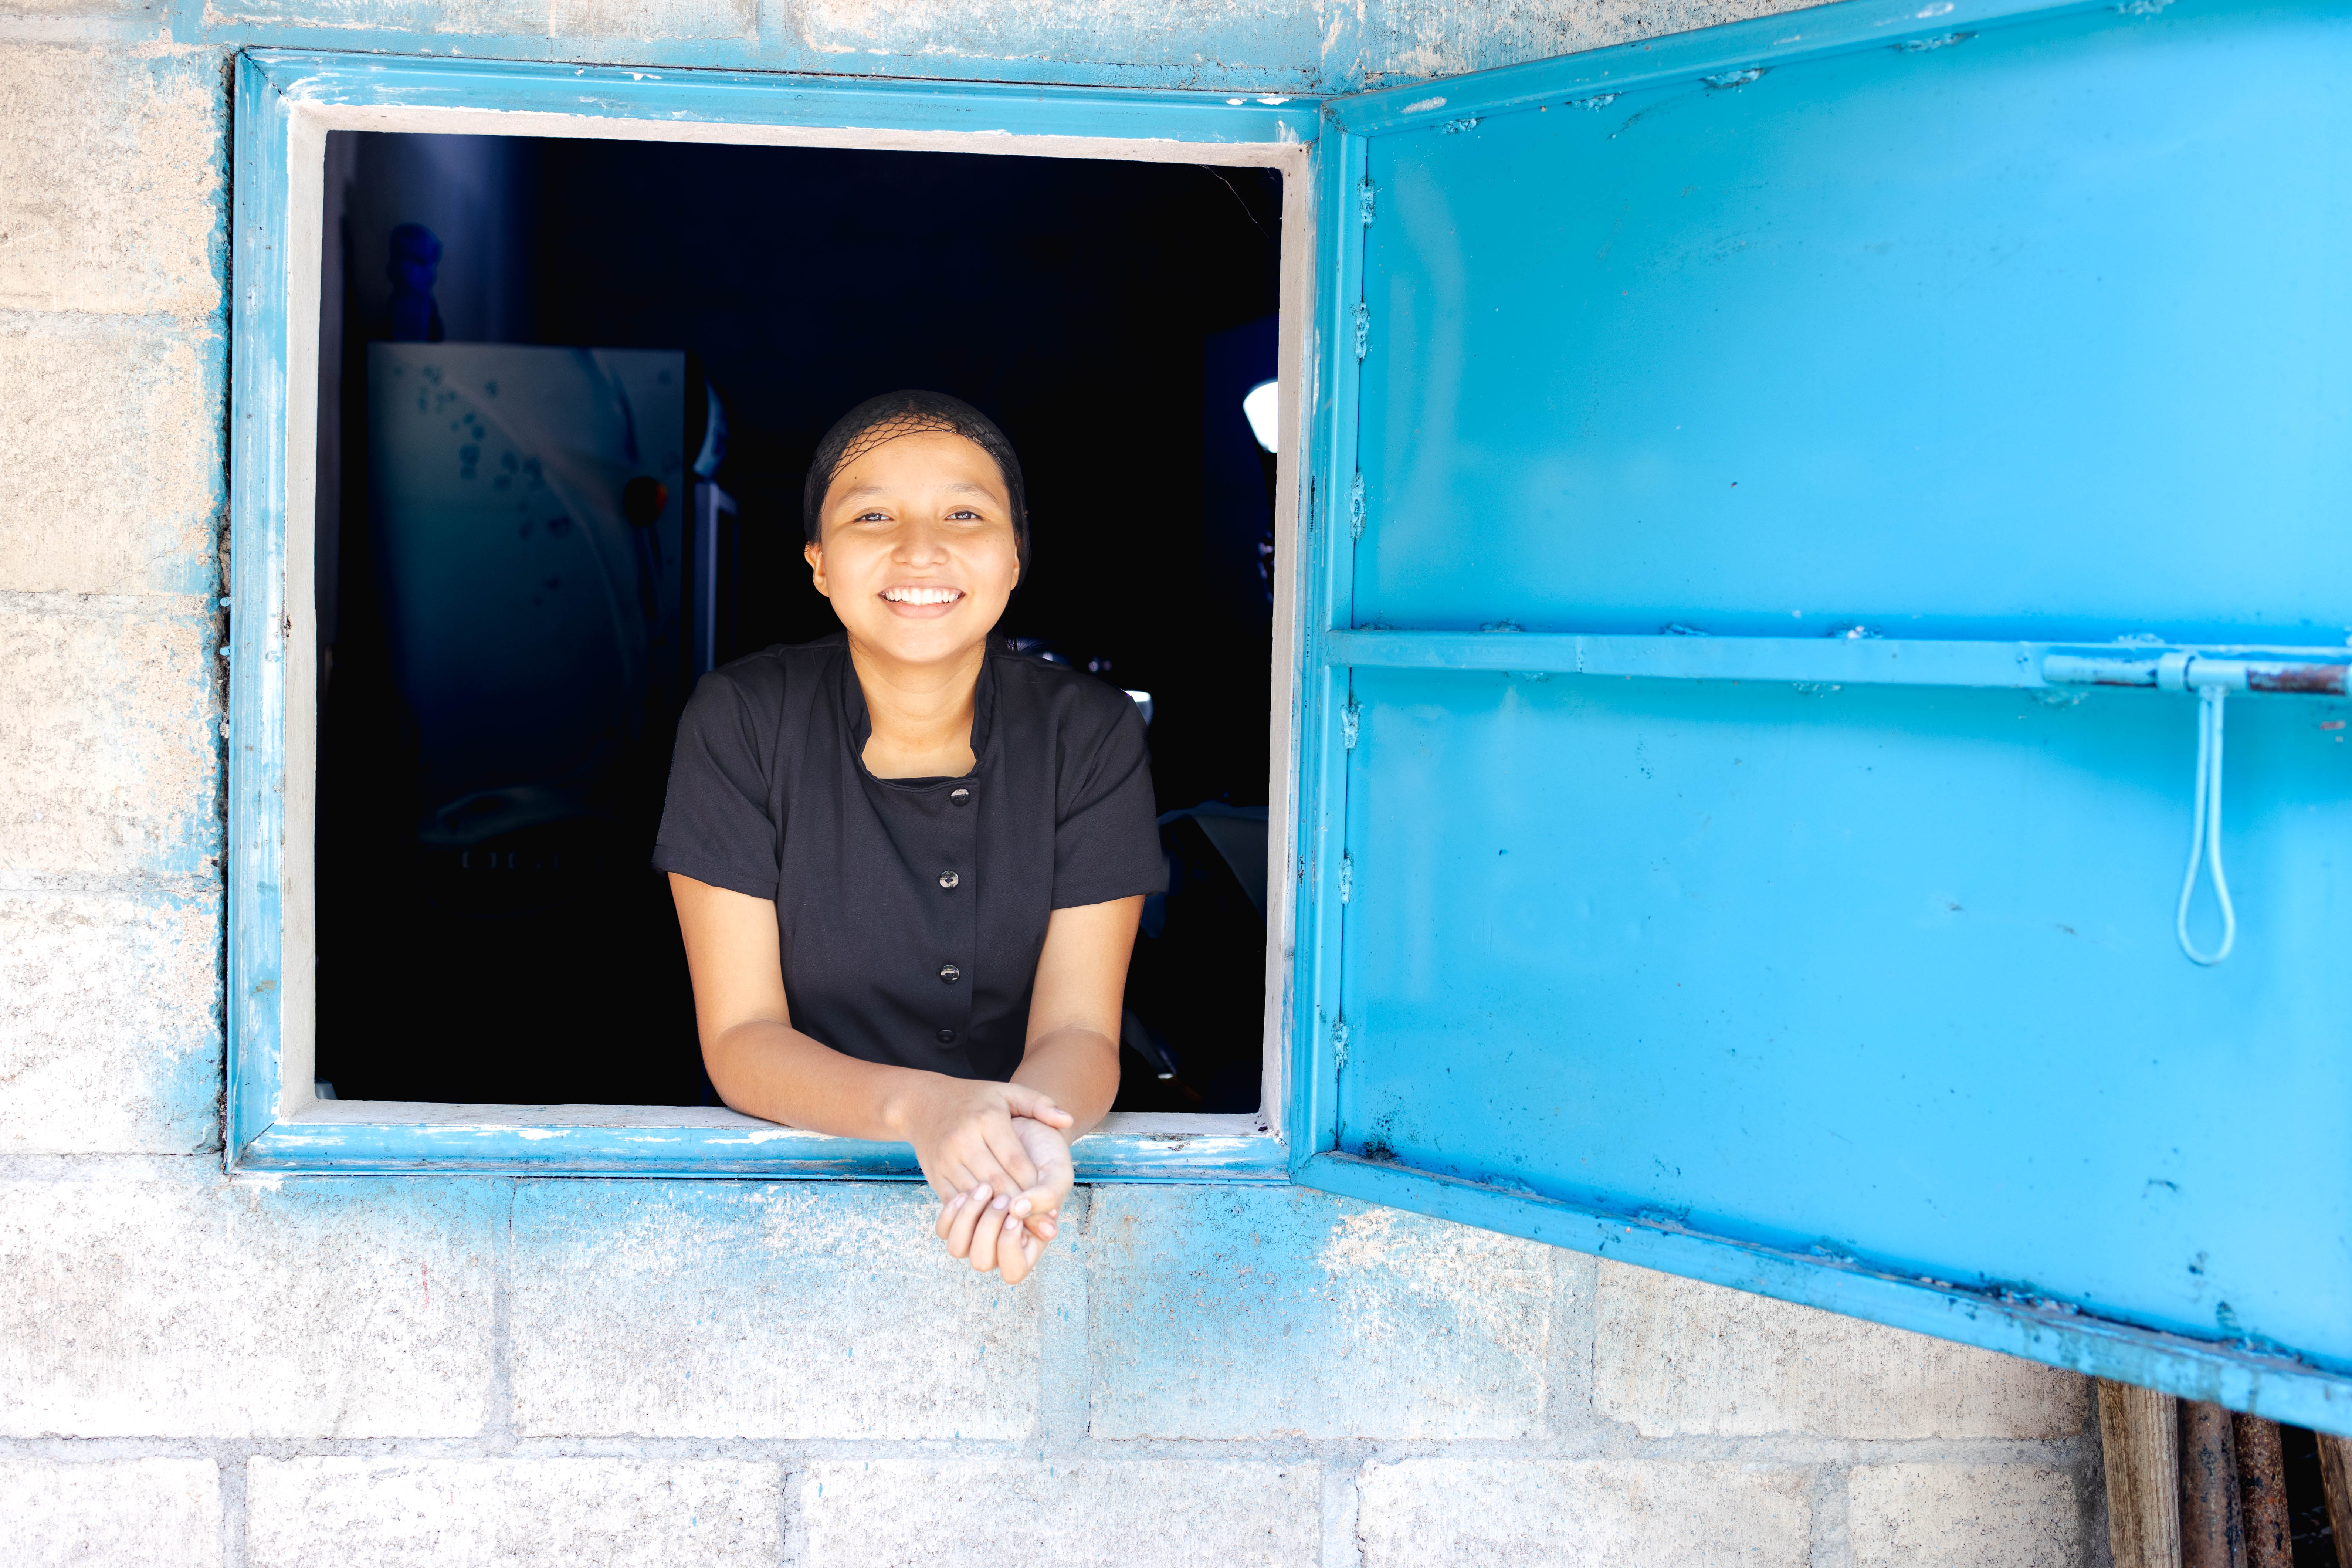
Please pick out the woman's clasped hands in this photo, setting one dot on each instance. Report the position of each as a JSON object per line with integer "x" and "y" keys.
{"x": 997, "y": 1156}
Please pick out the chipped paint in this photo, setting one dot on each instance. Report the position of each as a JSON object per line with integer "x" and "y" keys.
{"x": 678, "y": 1309}
{"x": 1360, "y": 1319}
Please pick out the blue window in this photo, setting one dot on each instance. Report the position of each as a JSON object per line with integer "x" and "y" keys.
{"x": 1783, "y": 517}
{"x": 284, "y": 1113}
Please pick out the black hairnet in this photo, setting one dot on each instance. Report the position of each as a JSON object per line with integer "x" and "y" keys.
{"x": 910, "y": 413}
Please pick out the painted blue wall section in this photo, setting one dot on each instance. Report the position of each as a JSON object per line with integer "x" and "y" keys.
{"x": 1865, "y": 994}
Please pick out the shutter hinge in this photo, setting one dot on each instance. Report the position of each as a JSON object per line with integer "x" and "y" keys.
{"x": 1356, "y": 507}
{"x": 1364, "y": 202}
{"x": 1363, "y": 329}
{"x": 1347, "y": 879}
{"x": 1339, "y": 1043}
{"x": 1351, "y": 719}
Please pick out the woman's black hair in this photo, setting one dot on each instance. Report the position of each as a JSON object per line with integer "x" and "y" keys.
{"x": 910, "y": 413}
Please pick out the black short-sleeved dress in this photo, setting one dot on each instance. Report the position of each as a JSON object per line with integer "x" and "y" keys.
{"x": 911, "y": 911}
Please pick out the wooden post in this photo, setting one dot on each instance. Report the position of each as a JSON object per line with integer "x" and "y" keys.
{"x": 2335, "y": 1478}
{"x": 2213, "y": 1531}
{"x": 2140, "y": 1436}
{"x": 2261, "y": 1493}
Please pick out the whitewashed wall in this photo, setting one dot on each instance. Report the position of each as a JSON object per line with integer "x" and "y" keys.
{"x": 457, "y": 1371}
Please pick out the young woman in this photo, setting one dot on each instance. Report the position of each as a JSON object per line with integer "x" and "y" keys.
{"x": 908, "y": 863}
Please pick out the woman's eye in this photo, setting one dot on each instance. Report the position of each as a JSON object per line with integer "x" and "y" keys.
{"x": 872, "y": 516}
{"x": 965, "y": 514}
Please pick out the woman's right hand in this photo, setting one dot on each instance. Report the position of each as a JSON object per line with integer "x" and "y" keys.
{"x": 963, "y": 1136}
{"x": 1006, "y": 1233}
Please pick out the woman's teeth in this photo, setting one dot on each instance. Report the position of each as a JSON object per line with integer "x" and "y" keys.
{"x": 922, "y": 596}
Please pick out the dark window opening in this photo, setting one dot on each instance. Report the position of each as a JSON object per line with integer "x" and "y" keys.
{"x": 568, "y": 393}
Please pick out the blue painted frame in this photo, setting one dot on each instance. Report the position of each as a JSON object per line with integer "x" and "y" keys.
{"x": 273, "y": 90}
{"x": 1304, "y": 52}
{"x": 2238, "y": 1376}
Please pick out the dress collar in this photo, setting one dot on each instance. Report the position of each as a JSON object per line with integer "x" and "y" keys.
{"x": 858, "y": 725}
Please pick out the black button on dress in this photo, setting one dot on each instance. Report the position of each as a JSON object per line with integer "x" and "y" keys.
{"x": 885, "y": 888}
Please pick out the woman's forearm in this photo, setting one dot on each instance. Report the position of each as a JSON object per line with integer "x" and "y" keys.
{"x": 773, "y": 1071}
{"x": 1078, "y": 1066}
{"x": 1073, "y": 1056}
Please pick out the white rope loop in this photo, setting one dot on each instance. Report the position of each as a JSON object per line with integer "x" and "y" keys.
{"x": 2205, "y": 833}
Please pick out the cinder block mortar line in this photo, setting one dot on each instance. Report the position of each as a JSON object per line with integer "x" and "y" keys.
{"x": 98, "y": 603}
{"x": 1568, "y": 1348}
{"x": 791, "y": 1527}
{"x": 136, "y": 887}
{"x": 210, "y": 321}
{"x": 233, "y": 1512}
{"x": 134, "y": 29}
{"x": 793, "y": 1453}
{"x": 1829, "y": 1543}
{"x": 497, "y": 1417}
{"x": 1065, "y": 1348}
{"x": 1615, "y": 1442}
{"x": 1334, "y": 1453}
{"x": 201, "y": 1164}
{"x": 787, "y": 1453}
{"x": 1802, "y": 1449}
{"x": 1341, "y": 1502}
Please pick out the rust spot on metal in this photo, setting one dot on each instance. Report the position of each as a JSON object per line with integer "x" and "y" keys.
{"x": 2315, "y": 677}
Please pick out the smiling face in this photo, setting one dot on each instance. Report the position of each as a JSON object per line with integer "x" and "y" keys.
{"x": 919, "y": 555}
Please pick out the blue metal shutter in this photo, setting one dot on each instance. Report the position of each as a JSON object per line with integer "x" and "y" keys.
{"x": 1739, "y": 458}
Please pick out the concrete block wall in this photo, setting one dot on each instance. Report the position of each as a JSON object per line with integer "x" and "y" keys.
{"x": 249, "y": 1374}
{"x": 274, "y": 1374}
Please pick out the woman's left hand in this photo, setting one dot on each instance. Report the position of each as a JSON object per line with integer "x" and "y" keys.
{"x": 1008, "y": 1233}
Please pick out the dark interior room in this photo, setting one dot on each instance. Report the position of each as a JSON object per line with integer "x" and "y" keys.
{"x": 569, "y": 390}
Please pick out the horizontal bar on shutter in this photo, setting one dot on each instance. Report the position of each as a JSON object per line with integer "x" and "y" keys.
{"x": 1858, "y": 661}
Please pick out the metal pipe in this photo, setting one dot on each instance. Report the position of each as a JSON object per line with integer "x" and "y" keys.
{"x": 2261, "y": 1493}
{"x": 2213, "y": 1531}
{"x": 2178, "y": 671}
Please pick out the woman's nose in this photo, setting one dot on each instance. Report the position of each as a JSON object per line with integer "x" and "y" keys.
{"x": 920, "y": 542}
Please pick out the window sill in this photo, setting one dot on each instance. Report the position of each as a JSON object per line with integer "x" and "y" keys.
{"x": 364, "y": 1137}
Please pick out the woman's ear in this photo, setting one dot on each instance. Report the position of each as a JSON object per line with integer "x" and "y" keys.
{"x": 813, "y": 553}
